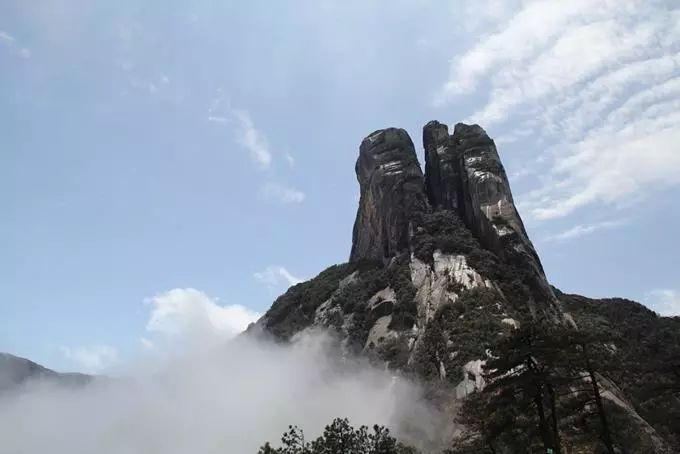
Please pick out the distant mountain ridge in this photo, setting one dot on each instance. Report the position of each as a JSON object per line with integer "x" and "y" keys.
{"x": 16, "y": 372}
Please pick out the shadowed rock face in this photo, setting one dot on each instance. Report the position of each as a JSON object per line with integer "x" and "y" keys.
{"x": 392, "y": 195}
{"x": 488, "y": 208}
{"x": 442, "y": 167}
{"x": 464, "y": 173}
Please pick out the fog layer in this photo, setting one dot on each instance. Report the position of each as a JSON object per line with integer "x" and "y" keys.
{"x": 220, "y": 399}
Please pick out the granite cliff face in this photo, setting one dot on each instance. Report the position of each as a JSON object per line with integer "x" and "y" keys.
{"x": 441, "y": 268}
{"x": 463, "y": 174}
{"x": 392, "y": 197}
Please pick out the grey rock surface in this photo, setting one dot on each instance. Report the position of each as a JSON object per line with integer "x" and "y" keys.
{"x": 464, "y": 173}
{"x": 392, "y": 195}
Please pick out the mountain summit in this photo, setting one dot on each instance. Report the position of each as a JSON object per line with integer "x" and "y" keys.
{"x": 442, "y": 270}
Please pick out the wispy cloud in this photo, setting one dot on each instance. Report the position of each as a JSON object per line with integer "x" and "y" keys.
{"x": 276, "y": 276}
{"x": 218, "y": 119}
{"x": 282, "y": 194}
{"x": 665, "y": 301}
{"x": 91, "y": 359}
{"x": 581, "y": 230}
{"x": 250, "y": 138}
{"x": 597, "y": 82}
{"x": 13, "y": 45}
{"x": 6, "y": 37}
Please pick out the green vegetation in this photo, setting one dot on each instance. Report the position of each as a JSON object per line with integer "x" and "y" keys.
{"x": 339, "y": 437}
{"x": 544, "y": 386}
{"x": 642, "y": 357}
{"x": 460, "y": 332}
{"x": 406, "y": 311}
{"x": 294, "y": 310}
{"x": 444, "y": 230}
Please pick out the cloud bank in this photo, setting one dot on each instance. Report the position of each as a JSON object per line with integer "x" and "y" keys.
{"x": 227, "y": 398}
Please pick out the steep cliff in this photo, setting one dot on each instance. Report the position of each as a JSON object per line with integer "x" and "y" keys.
{"x": 441, "y": 268}
{"x": 464, "y": 173}
{"x": 392, "y": 197}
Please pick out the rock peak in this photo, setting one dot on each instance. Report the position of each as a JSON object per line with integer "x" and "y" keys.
{"x": 463, "y": 173}
{"x": 392, "y": 195}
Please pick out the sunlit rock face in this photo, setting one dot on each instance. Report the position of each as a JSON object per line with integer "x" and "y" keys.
{"x": 392, "y": 195}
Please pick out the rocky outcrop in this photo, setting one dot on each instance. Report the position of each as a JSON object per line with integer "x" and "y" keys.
{"x": 442, "y": 167}
{"x": 450, "y": 273}
{"x": 465, "y": 173}
{"x": 392, "y": 196}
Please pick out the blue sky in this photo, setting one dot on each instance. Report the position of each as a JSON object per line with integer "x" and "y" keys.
{"x": 168, "y": 168}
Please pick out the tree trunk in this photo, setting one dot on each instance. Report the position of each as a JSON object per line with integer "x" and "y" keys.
{"x": 553, "y": 417}
{"x": 542, "y": 425}
{"x": 606, "y": 437}
{"x": 547, "y": 439}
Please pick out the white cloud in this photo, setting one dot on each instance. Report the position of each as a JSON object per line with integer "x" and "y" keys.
{"x": 250, "y": 138}
{"x": 91, "y": 359}
{"x": 190, "y": 316}
{"x": 522, "y": 36}
{"x": 276, "y": 276}
{"x": 584, "y": 229}
{"x": 607, "y": 169}
{"x": 595, "y": 84}
{"x": 283, "y": 194}
{"x": 665, "y": 302}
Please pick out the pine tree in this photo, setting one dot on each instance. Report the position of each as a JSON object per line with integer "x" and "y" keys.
{"x": 339, "y": 437}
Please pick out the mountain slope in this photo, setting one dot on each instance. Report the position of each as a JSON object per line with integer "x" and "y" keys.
{"x": 440, "y": 269}
{"x": 647, "y": 351}
{"x": 16, "y": 372}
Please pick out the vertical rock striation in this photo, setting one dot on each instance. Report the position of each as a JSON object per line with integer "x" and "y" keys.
{"x": 464, "y": 173}
{"x": 442, "y": 167}
{"x": 392, "y": 196}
